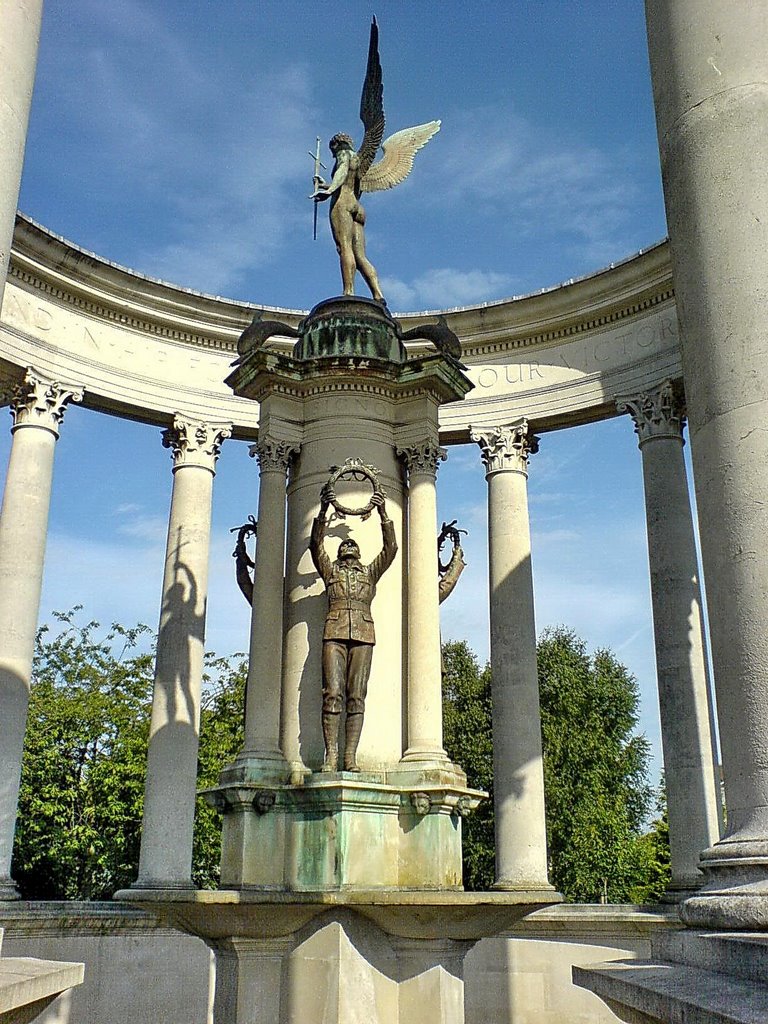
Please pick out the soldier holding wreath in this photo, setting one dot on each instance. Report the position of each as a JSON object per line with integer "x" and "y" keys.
{"x": 349, "y": 637}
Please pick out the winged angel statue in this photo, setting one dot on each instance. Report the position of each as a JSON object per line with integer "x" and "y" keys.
{"x": 355, "y": 173}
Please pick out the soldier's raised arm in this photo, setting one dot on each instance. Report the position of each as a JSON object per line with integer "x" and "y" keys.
{"x": 386, "y": 556}
{"x": 317, "y": 541}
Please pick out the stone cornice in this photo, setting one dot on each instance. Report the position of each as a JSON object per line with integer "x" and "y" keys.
{"x": 45, "y": 262}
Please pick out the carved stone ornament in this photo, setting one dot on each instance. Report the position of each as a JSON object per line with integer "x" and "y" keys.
{"x": 422, "y": 458}
{"x": 506, "y": 447}
{"x": 194, "y": 443}
{"x": 659, "y": 412}
{"x": 264, "y": 801}
{"x": 40, "y": 402}
{"x": 273, "y": 455}
{"x": 421, "y": 803}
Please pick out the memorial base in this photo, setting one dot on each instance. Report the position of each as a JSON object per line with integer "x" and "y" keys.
{"x": 344, "y": 830}
{"x": 343, "y": 958}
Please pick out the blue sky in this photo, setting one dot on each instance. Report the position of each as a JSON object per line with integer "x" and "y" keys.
{"x": 172, "y": 137}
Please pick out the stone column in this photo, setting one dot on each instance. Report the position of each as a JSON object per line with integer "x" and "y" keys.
{"x": 425, "y": 700}
{"x": 37, "y": 407}
{"x": 710, "y": 83}
{"x": 263, "y": 694}
{"x": 518, "y": 771}
{"x": 693, "y": 793}
{"x": 18, "y": 57}
{"x": 169, "y": 800}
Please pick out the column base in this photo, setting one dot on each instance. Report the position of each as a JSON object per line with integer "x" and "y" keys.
{"x": 735, "y": 890}
{"x": 8, "y": 890}
{"x": 425, "y": 755}
{"x": 162, "y": 883}
{"x": 538, "y": 890}
{"x": 260, "y": 768}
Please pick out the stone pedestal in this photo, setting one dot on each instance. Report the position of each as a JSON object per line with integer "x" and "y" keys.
{"x": 341, "y": 831}
{"x": 343, "y": 958}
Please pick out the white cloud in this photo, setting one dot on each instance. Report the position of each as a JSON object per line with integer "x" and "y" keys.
{"x": 498, "y": 165}
{"x": 443, "y": 287}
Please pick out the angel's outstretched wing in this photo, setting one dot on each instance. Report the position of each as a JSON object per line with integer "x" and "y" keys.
{"x": 399, "y": 151}
{"x": 372, "y": 104}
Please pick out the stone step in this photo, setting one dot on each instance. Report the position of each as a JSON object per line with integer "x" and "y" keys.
{"x": 25, "y": 981}
{"x": 741, "y": 954}
{"x": 674, "y": 993}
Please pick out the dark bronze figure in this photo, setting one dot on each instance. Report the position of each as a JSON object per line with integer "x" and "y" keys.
{"x": 349, "y": 636}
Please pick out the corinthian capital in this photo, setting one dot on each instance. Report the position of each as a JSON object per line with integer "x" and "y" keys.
{"x": 659, "y": 412}
{"x": 506, "y": 447}
{"x": 422, "y": 458}
{"x": 194, "y": 443}
{"x": 40, "y": 402}
{"x": 273, "y": 454}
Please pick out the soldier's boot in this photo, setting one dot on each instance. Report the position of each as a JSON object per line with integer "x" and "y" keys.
{"x": 354, "y": 727}
{"x": 331, "y": 736}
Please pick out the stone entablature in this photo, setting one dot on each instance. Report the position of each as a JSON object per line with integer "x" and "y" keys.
{"x": 150, "y": 350}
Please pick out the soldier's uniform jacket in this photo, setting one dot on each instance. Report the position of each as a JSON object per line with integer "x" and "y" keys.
{"x": 351, "y": 587}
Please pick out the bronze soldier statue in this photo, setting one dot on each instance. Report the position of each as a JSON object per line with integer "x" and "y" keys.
{"x": 349, "y": 636}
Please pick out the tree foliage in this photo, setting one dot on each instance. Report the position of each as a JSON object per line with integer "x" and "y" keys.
{"x": 82, "y": 786}
{"x": 85, "y": 757}
{"x": 82, "y": 782}
{"x": 595, "y": 771}
{"x": 468, "y": 741}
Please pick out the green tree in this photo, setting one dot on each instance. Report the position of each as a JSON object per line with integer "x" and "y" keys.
{"x": 468, "y": 742}
{"x": 82, "y": 782}
{"x": 221, "y": 738}
{"x": 595, "y": 771}
{"x": 85, "y": 757}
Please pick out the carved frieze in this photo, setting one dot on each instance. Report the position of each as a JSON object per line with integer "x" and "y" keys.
{"x": 506, "y": 447}
{"x": 194, "y": 443}
{"x": 659, "y": 412}
{"x": 40, "y": 402}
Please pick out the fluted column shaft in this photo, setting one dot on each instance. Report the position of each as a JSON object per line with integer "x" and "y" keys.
{"x": 37, "y": 407}
{"x": 169, "y": 801}
{"x": 693, "y": 797}
{"x": 710, "y": 83}
{"x": 18, "y": 57}
{"x": 425, "y": 705}
{"x": 518, "y": 770}
{"x": 263, "y": 696}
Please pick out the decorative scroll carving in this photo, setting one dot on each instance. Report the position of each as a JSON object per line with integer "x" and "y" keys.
{"x": 656, "y": 413}
{"x": 506, "y": 448}
{"x": 422, "y": 458}
{"x": 40, "y": 402}
{"x": 194, "y": 443}
{"x": 273, "y": 455}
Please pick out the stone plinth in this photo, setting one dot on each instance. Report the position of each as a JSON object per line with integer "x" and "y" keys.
{"x": 341, "y": 830}
{"x": 369, "y": 956}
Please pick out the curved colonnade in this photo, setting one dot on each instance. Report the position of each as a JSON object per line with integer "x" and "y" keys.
{"x": 77, "y": 328}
